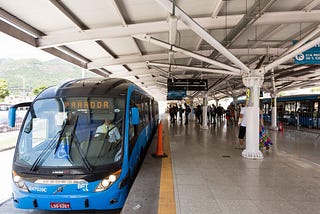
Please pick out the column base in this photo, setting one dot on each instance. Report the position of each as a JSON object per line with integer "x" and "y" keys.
{"x": 252, "y": 155}
{"x": 275, "y": 128}
{"x": 205, "y": 127}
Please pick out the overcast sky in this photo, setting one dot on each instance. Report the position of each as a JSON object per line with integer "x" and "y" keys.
{"x": 15, "y": 49}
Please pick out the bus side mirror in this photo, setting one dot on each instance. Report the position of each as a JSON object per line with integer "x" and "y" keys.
{"x": 12, "y": 117}
{"x": 12, "y": 113}
{"x": 135, "y": 116}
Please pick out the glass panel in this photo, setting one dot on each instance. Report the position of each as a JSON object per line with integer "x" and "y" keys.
{"x": 75, "y": 131}
{"x": 40, "y": 133}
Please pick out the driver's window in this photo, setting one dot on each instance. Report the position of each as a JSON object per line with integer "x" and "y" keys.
{"x": 40, "y": 131}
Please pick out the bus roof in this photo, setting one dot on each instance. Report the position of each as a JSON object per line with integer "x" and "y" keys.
{"x": 88, "y": 87}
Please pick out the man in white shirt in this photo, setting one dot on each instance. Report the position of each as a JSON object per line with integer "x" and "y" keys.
{"x": 242, "y": 123}
{"x": 109, "y": 128}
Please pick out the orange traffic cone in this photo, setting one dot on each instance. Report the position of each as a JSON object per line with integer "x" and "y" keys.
{"x": 159, "y": 153}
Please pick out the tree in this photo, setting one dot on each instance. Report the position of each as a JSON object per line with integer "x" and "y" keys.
{"x": 3, "y": 89}
{"x": 37, "y": 91}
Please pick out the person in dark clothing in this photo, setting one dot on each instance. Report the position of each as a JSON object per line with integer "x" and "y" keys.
{"x": 171, "y": 112}
{"x": 198, "y": 113}
{"x": 175, "y": 111}
{"x": 220, "y": 111}
{"x": 187, "y": 112}
{"x": 213, "y": 114}
{"x": 181, "y": 110}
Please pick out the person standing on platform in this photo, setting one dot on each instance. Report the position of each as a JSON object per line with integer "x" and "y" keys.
{"x": 175, "y": 111}
{"x": 181, "y": 110}
{"x": 187, "y": 112}
{"x": 220, "y": 111}
{"x": 171, "y": 112}
{"x": 232, "y": 114}
{"x": 242, "y": 129}
{"x": 208, "y": 113}
{"x": 198, "y": 112}
{"x": 213, "y": 114}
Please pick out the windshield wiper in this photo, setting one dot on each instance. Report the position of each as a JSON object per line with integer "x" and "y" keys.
{"x": 83, "y": 157}
{"x": 46, "y": 151}
{"x": 63, "y": 131}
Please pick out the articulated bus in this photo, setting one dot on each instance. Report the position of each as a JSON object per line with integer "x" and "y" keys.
{"x": 296, "y": 110}
{"x": 63, "y": 161}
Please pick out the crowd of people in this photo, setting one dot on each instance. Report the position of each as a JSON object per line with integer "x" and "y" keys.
{"x": 175, "y": 110}
{"x": 233, "y": 115}
{"x": 214, "y": 113}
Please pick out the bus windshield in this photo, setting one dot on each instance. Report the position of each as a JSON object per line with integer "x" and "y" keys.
{"x": 77, "y": 132}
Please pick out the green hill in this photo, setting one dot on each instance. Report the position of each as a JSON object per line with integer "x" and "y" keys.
{"x": 35, "y": 73}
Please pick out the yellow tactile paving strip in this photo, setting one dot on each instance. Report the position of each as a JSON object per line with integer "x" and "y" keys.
{"x": 167, "y": 204}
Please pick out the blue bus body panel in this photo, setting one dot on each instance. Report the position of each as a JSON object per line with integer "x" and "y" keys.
{"x": 82, "y": 196}
{"x": 112, "y": 198}
{"x": 142, "y": 140}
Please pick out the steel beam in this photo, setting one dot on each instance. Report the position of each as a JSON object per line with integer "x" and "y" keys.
{"x": 71, "y": 36}
{"x": 191, "y": 68}
{"x": 187, "y": 52}
{"x": 312, "y": 4}
{"x": 291, "y": 55}
{"x": 198, "y": 29}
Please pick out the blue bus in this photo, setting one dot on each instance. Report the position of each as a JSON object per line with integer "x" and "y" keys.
{"x": 296, "y": 110}
{"x": 63, "y": 161}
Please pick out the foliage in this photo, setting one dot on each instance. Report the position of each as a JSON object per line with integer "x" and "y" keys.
{"x": 35, "y": 73}
{"x": 37, "y": 90}
{"x": 3, "y": 89}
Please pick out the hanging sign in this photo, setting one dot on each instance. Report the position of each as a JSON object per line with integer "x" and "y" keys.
{"x": 176, "y": 94}
{"x": 188, "y": 84}
{"x": 310, "y": 56}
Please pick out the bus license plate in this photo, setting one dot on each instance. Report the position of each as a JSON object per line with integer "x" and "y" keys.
{"x": 59, "y": 205}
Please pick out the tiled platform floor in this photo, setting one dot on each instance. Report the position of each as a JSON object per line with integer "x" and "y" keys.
{"x": 211, "y": 176}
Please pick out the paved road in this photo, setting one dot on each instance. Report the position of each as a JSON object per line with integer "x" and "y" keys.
{"x": 5, "y": 167}
{"x": 5, "y": 175}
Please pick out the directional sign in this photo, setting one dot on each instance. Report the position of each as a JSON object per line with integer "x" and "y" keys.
{"x": 176, "y": 94}
{"x": 188, "y": 84}
{"x": 310, "y": 56}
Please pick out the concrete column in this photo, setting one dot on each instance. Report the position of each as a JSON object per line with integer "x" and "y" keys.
{"x": 253, "y": 81}
{"x": 204, "y": 112}
{"x": 274, "y": 125}
{"x": 273, "y": 102}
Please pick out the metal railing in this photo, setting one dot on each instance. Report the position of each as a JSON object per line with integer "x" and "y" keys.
{"x": 303, "y": 119}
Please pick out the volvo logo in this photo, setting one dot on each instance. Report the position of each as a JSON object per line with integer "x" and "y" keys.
{"x": 59, "y": 189}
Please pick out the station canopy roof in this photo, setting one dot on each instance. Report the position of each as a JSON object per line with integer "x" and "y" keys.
{"x": 149, "y": 41}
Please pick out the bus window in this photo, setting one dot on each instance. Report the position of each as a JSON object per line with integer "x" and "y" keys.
{"x": 39, "y": 135}
{"x": 289, "y": 107}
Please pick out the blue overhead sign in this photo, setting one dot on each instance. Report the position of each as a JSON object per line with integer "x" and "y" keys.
{"x": 176, "y": 94}
{"x": 310, "y": 56}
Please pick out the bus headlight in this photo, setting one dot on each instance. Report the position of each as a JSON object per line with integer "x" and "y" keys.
{"x": 108, "y": 181}
{"x": 19, "y": 182}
